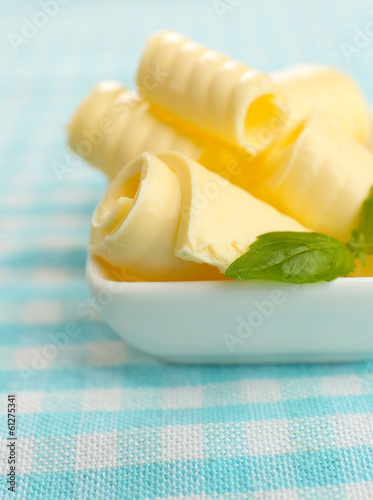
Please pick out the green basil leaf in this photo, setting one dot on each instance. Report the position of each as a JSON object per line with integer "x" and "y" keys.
{"x": 293, "y": 257}
{"x": 357, "y": 245}
{"x": 363, "y": 234}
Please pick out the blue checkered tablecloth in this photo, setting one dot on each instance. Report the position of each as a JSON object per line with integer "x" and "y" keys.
{"x": 97, "y": 419}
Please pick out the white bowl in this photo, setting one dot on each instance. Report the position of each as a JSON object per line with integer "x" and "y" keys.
{"x": 240, "y": 322}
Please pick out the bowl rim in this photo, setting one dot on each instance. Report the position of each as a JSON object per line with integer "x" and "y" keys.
{"x": 92, "y": 264}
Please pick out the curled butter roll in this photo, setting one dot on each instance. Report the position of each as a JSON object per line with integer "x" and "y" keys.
{"x": 88, "y": 125}
{"x": 115, "y": 127}
{"x": 321, "y": 176}
{"x": 309, "y": 86}
{"x": 135, "y": 225}
{"x": 122, "y": 126}
{"x": 169, "y": 218}
{"x": 225, "y": 98}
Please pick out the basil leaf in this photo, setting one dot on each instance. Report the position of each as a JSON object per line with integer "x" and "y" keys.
{"x": 293, "y": 257}
{"x": 357, "y": 245}
{"x": 365, "y": 226}
{"x": 362, "y": 237}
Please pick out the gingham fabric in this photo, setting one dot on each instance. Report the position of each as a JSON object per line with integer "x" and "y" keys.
{"x": 97, "y": 419}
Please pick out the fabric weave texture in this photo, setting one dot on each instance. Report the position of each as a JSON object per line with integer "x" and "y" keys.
{"x": 97, "y": 419}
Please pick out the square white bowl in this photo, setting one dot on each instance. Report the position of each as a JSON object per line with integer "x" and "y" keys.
{"x": 239, "y": 322}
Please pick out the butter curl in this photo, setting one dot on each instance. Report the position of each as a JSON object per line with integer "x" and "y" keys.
{"x": 169, "y": 218}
